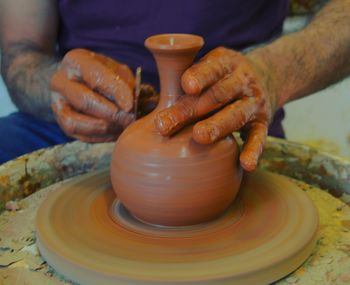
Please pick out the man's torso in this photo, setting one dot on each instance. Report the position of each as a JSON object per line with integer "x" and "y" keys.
{"x": 119, "y": 28}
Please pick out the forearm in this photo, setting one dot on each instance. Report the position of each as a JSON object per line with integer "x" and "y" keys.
{"x": 27, "y": 72}
{"x": 307, "y": 61}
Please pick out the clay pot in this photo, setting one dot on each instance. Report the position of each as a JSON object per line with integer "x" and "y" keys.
{"x": 173, "y": 181}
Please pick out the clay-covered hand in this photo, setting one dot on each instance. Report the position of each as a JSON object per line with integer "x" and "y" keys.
{"x": 234, "y": 91}
{"x": 93, "y": 96}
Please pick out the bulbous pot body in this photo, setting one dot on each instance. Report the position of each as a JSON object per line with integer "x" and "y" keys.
{"x": 173, "y": 181}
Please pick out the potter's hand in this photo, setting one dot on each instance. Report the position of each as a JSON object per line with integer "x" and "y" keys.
{"x": 93, "y": 96}
{"x": 234, "y": 91}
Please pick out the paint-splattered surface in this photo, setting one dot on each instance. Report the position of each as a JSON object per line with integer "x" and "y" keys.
{"x": 29, "y": 173}
{"x": 20, "y": 262}
{"x": 25, "y": 175}
{"x": 330, "y": 262}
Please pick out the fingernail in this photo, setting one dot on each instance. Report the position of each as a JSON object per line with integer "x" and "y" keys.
{"x": 247, "y": 162}
{"x": 190, "y": 85}
{"x": 123, "y": 119}
{"x": 205, "y": 133}
{"x": 164, "y": 122}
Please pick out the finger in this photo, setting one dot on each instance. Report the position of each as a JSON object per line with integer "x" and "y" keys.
{"x": 228, "y": 89}
{"x": 124, "y": 119}
{"x": 215, "y": 65}
{"x": 84, "y": 99}
{"x": 89, "y": 139}
{"x": 253, "y": 146}
{"x": 230, "y": 119}
{"x": 74, "y": 123}
{"x": 98, "y": 76}
{"x": 175, "y": 117}
{"x": 189, "y": 108}
{"x": 121, "y": 69}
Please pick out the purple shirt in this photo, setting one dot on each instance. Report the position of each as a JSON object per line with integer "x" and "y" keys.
{"x": 119, "y": 28}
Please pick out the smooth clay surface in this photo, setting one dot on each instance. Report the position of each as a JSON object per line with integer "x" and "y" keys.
{"x": 88, "y": 236}
{"x": 173, "y": 181}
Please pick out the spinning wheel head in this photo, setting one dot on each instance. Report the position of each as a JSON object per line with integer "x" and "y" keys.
{"x": 86, "y": 235}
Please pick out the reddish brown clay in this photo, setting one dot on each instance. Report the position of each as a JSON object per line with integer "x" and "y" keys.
{"x": 173, "y": 181}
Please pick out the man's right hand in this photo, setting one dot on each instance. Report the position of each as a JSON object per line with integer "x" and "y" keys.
{"x": 92, "y": 96}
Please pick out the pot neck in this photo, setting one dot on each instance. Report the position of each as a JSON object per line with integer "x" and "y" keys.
{"x": 173, "y": 54}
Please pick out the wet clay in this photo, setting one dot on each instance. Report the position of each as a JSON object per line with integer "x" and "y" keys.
{"x": 92, "y": 96}
{"x": 89, "y": 237}
{"x": 173, "y": 181}
{"x": 83, "y": 72}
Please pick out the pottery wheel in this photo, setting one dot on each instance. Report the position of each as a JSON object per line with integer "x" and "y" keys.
{"x": 88, "y": 236}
